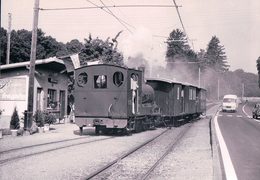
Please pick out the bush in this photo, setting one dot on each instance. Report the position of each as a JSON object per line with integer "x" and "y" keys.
{"x": 15, "y": 121}
{"x": 50, "y": 118}
{"x": 39, "y": 118}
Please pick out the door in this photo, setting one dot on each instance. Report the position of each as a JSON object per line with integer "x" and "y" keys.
{"x": 62, "y": 104}
{"x": 39, "y": 99}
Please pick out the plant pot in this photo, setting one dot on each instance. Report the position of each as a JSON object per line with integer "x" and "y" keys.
{"x": 40, "y": 129}
{"x": 46, "y": 127}
{"x": 14, "y": 132}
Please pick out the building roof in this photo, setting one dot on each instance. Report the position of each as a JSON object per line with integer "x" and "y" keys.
{"x": 52, "y": 63}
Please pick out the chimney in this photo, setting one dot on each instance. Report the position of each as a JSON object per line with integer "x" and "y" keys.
{"x": 142, "y": 68}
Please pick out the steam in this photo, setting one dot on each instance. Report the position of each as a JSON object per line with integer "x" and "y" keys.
{"x": 143, "y": 48}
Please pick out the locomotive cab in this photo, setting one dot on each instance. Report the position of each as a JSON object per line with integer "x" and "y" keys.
{"x": 106, "y": 96}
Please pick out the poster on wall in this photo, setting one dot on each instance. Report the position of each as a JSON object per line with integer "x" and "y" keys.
{"x": 13, "y": 89}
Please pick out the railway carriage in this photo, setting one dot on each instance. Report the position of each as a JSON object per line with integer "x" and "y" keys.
{"x": 201, "y": 108}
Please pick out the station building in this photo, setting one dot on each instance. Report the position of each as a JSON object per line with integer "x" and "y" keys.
{"x": 50, "y": 88}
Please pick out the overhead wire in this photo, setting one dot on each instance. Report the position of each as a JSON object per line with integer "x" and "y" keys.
{"x": 111, "y": 13}
{"x": 111, "y": 6}
{"x": 179, "y": 15}
{"x": 117, "y": 18}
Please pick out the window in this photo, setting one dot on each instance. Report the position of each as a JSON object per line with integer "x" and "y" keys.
{"x": 190, "y": 94}
{"x": 178, "y": 93}
{"x": 194, "y": 94}
{"x": 51, "y": 100}
{"x": 82, "y": 79}
{"x": 118, "y": 78}
{"x": 100, "y": 81}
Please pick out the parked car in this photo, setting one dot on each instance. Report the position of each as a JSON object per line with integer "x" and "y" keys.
{"x": 256, "y": 111}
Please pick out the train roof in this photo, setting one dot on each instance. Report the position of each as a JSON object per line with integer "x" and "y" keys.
{"x": 169, "y": 81}
{"x": 160, "y": 79}
{"x": 103, "y": 64}
{"x": 173, "y": 81}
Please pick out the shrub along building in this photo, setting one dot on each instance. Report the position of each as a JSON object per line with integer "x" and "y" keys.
{"x": 50, "y": 88}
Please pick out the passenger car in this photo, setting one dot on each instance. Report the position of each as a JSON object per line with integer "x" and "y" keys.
{"x": 256, "y": 111}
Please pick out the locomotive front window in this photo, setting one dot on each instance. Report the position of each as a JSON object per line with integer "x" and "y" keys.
{"x": 118, "y": 78}
{"x": 100, "y": 81}
{"x": 82, "y": 79}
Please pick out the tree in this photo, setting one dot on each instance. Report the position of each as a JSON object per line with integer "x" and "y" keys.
{"x": 74, "y": 46}
{"x": 258, "y": 69}
{"x": 216, "y": 56}
{"x": 177, "y": 45}
{"x": 3, "y": 45}
{"x": 15, "y": 121}
{"x": 104, "y": 51}
{"x": 20, "y": 47}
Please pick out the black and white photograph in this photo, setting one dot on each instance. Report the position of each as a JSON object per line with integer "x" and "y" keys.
{"x": 130, "y": 90}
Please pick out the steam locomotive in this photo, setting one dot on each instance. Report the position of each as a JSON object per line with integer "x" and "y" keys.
{"x": 110, "y": 97}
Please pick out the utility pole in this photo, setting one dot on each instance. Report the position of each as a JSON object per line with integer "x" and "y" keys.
{"x": 8, "y": 38}
{"x": 29, "y": 115}
{"x": 218, "y": 89}
{"x": 199, "y": 76}
{"x": 243, "y": 90}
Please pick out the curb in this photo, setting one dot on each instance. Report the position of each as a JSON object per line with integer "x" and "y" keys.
{"x": 218, "y": 171}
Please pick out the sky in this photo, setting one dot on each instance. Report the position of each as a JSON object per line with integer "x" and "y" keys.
{"x": 235, "y": 22}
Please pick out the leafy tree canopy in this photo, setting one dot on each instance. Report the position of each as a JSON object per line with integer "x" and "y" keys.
{"x": 97, "y": 49}
{"x": 47, "y": 46}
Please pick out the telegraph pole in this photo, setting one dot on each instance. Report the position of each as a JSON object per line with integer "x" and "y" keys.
{"x": 29, "y": 115}
{"x": 8, "y": 38}
{"x": 218, "y": 89}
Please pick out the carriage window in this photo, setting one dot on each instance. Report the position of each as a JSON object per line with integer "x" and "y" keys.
{"x": 190, "y": 94}
{"x": 178, "y": 93}
{"x": 100, "y": 81}
{"x": 194, "y": 94}
{"x": 82, "y": 79}
{"x": 118, "y": 78}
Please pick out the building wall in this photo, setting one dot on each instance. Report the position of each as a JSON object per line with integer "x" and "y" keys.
{"x": 14, "y": 92}
{"x": 50, "y": 80}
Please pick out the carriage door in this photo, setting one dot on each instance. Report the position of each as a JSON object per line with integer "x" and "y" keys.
{"x": 182, "y": 101}
{"x": 62, "y": 104}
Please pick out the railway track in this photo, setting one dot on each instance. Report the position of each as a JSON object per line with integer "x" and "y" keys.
{"x": 37, "y": 149}
{"x": 103, "y": 172}
{"x": 169, "y": 149}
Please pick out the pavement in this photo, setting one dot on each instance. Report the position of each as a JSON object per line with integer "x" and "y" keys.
{"x": 197, "y": 155}
{"x": 57, "y": 132}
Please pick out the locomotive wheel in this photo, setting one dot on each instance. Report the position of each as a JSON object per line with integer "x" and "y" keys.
{"x": 127, "y": 131}
{"x": 97, "y": 130}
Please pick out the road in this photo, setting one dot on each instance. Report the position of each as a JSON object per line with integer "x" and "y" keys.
{"x": 241, "y": 135}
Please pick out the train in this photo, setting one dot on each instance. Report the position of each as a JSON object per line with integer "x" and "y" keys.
{"x": 119, "y": 99}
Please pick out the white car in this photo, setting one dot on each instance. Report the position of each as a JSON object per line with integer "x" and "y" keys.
{"x": 230, "y": 103}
